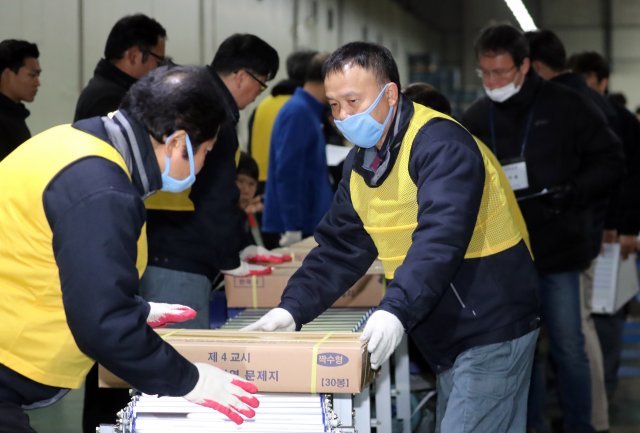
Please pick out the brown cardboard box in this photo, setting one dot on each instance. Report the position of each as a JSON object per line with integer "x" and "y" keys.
{"x": 275, "y": 361}
{"x": 264, "y": 291}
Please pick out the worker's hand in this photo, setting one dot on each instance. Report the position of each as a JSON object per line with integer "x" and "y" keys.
{"x": 224, "y": 392}
{"x": 245, "y": 270}
{"x": 257, "y": 254}
{"x": 276, "y": 319}
{"x": 161, "y": 315}
{"x": 288, "y": 238}
{"x": 627, "y": 245}
{"x": 384, "y": 332}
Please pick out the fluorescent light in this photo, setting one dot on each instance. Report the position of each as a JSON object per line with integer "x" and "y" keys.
{"x": 521, "y": 13}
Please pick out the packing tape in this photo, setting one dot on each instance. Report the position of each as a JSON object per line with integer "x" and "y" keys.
{"x": 314, "y": 361}
{"x": 254, "y": 291}
{"x": 169, "y": 334}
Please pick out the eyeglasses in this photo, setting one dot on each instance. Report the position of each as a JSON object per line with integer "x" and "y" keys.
{"x": 160, "y": 59}
{"x": 496, "y": 73}
{"x": 263, "y": 85}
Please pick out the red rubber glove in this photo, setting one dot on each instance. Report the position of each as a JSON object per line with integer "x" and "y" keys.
{"x": 246, "y": 270}
{"x": 258, "y": 254}
{"x": 161, "y": 315}
{"x": 224, "y": 392}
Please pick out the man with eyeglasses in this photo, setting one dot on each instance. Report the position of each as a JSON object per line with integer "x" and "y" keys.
{"x": 135, "y": 46}
{"x": 195, "y": 235}
{"x": 560, "y": 159}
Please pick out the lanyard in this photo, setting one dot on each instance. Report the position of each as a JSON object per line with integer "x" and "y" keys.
{"x": 525, "y": 138}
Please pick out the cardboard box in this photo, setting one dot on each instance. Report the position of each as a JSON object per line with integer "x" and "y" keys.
{"x": 264, "y": 291}
{"x": 275, "y": 361}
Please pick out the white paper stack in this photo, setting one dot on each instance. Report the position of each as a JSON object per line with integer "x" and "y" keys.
{"x": 615, "y": 281}
{"x": 301, "y": 413}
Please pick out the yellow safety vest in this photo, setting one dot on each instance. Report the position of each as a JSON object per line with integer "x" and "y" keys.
{"x": 261, "y": 129}
{"x": 35, "y": 340}
{"x": 389, "y": 212}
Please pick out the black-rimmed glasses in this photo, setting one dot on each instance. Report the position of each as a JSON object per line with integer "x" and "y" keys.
{"x": 263, "y": 85}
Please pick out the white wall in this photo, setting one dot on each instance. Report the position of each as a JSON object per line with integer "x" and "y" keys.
{"x": 71, "y": 35}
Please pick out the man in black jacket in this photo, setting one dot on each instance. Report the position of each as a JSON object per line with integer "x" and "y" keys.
{"x": 196, "y": 235}
{"x": 625, "y": 223}
{"x": 135, "y": 45}
{"x": 19, "y": 81}
{"x": 560, "y": 159}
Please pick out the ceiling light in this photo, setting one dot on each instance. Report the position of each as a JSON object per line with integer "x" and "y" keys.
{"x": 521, "y": 13}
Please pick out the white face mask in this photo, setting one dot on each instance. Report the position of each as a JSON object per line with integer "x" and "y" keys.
{"x": 503, "y": 93}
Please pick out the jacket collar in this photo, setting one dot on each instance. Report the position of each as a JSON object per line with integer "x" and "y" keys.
{"x": 388, "y": 153}
{"x": 13, "y": 109}
{"x": 233, "y": 113}
{"x": 106, "y": 69}
{"x": 132, "y": 142}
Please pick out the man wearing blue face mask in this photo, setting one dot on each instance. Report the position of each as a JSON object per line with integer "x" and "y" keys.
{"x": 74, "y": 246}
{"x": 423, "y": 196}
{"x": 561, "y": 160}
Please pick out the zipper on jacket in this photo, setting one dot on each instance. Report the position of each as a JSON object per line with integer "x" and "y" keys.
{"x": 455, "y": 292}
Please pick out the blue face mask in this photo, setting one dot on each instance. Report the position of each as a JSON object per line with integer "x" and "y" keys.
{"x": 169, "y": 184}
{"x": 362, "y": 129}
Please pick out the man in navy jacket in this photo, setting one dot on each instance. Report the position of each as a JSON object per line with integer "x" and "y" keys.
{"x": 422, "y": 195}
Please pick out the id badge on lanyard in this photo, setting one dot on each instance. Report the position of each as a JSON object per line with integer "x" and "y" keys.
{"x": 516, "y": 172}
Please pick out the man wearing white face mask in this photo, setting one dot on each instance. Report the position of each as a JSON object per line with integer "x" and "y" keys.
{"x": 422, "y": 195}
{"x": 560, "y": 160}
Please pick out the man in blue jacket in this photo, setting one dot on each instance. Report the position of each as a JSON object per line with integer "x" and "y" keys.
{"x": 298, "y": 191}
{"x": 422, "y": 195}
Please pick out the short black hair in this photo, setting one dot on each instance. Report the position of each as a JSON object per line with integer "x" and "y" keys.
{"x": 590, "y": 62}
{"x": 314, "y": 69}
{"x": 180, "y": 97}
{"x": 248, "y": 166}
{"x": 546, "y": 47}
{"x": 297, "y": 64}
{"x": 427, "y": 95}
{"x": 246, "y": 51}
{"x": 13, "y": 52}
{"x": 502, "y": 39}
{"x": 136, "y": 30}
{"x": 369, "y": 56}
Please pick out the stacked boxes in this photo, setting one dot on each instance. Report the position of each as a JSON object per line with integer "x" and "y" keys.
{"x": 264, "y": 291}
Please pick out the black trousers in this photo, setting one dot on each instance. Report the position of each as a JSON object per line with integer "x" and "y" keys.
{"x": 15, "y": 391}
{"x": 101, "y": 404}
{"x": 13, "y": 419}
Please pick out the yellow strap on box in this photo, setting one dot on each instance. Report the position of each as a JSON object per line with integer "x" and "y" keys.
{"x": 254, "y": 291}
{"x": 314, "y": 361}
{"x": 169, "y": 334}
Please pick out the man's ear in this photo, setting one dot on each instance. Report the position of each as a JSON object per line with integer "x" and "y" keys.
{"x": 177, "y": 140}
{"x": 392, "y": 94}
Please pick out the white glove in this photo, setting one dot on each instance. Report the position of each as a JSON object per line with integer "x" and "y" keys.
{"x": 224, "y": 392}
{"x": 161, "y": 315}
{"x": 288, "y": 238}
{"x": 258, "y": 254}
{"x": 276, "y": 319}
{"x": 245, "y": 269}
{"x": 384, "y": 332}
